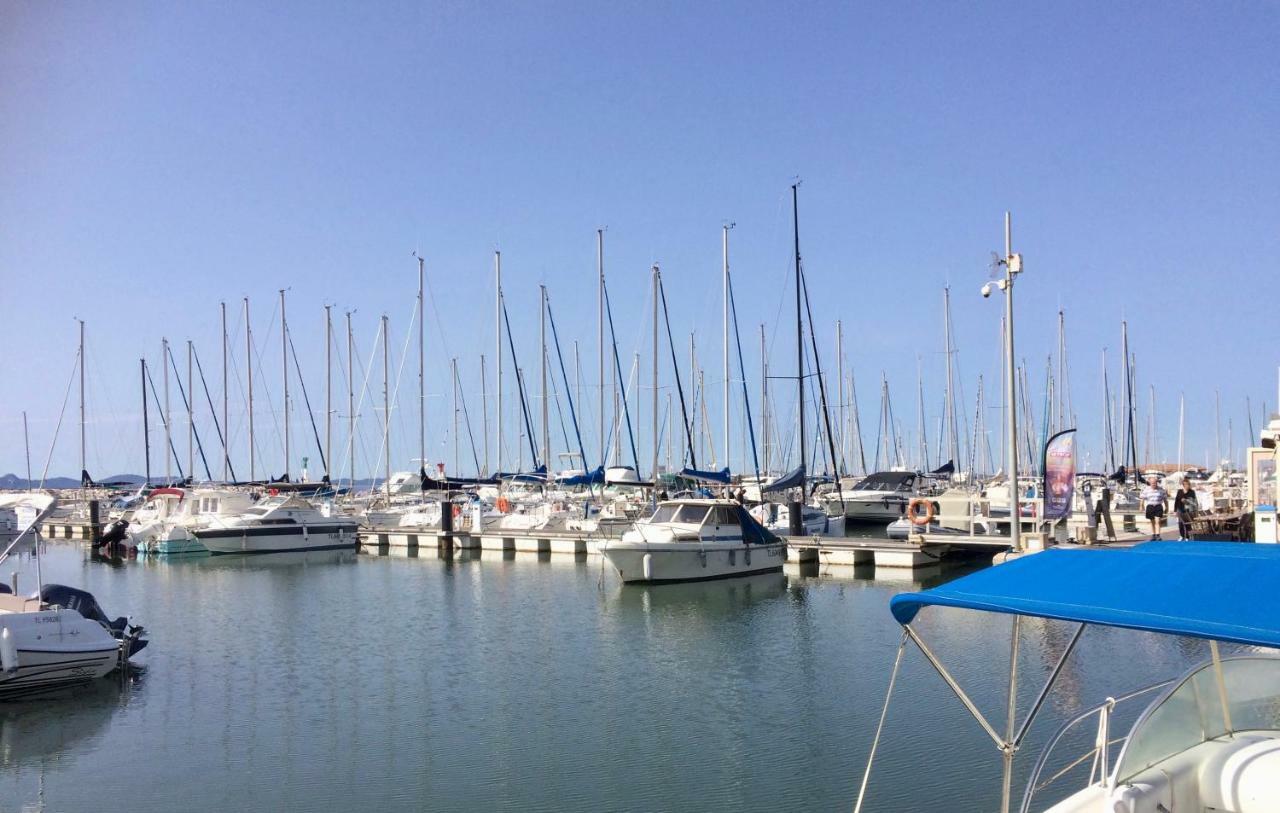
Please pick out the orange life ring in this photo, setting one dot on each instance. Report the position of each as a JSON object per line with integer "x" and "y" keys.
{"x": 457, "y": 510}
{"x": 504, "y": 505}
{"x": 914, "y": 514}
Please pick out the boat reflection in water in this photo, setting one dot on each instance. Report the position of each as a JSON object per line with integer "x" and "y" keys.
{"x": 702, "y": 598}
{"x": 55, "y": 726}
{"x": 263, "y": 561}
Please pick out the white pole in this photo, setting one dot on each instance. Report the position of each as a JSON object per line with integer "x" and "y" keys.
{"x": 546, "y": 395}
{"x": 191, "y": 417}
{"x": 328, "y": 392}
{"x": 1011, "y": 390}
{"x": 453, "y": 365}
{"x": 351, "y": 404}
{"x": 600, "y": 335}
{"x": 284, "y": 369}
{"x": 386, "y": 402}
{"x": 484, "y": 415}
{"x": 726, "y": 345}
{"x": 840, "y": 409}
{"x": 168, "y": 446}
{"x": 83, "y": 461}
{"x": 764, "y": 400}
{"x": 248, "y": 353}
{"x": 422, "y": 363}
{"x": 657, "y": 277}
{"x": 226, "y": 427}
{"x": 497, "y": 273}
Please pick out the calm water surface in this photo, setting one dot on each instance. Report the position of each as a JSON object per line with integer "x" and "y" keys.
{"x": 322, "y": 683}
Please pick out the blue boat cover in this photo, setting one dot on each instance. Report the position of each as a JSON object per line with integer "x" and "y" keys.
{"x": 721, "y": 476}
{"x": 1224, "y": 591}
{"x": 791, "y": 479}
{"x": 590, "y": 478}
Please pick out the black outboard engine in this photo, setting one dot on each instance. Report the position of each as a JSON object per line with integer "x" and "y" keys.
{"x": 114, "y": 534}
{"x": 84, "y": 603}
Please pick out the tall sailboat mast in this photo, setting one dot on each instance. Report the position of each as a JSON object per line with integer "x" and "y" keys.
{"x": 764, "y": 397}
{"x": 226, "y": 433}
{"x": 725, "y": 241}
{"x": 191, "y": 416}
{"x": 284, "y": 368}
{"x": 546, "y": 393}
{"x": 654, "y": 462}
{"x": 422, "y": 363}
{"x": 351, "y": 404}
{"x": 600, "y": 338}
{"x": 168, "y": 441}
{"x": 953, "y": 439}
{"x": 497, "y": 322}
{"x": 795, "y": 225}
{"x": 248, "y": 355}
{"x": 386, "y": 402}
{"x": 328, "y": 392}
{"x": 83, "y": 461}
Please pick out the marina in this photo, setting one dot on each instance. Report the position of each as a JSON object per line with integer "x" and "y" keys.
{"x": 639, "y": 407}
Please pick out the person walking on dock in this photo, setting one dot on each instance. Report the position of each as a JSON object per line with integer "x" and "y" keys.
{"x": 1102, "y": 512}
{"x": 1156, "y": 499}
{"x": 1185, "y": 505}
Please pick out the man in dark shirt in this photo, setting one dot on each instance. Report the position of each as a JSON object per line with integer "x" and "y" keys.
{"x": 1185, "y": 505}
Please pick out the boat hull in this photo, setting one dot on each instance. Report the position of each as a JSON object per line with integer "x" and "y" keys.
{"x": 692, "y": 561}
{"x": 52, "y": 648}
{"x": 285, "y": 539}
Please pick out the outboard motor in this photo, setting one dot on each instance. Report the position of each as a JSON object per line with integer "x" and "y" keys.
{"x": 84, "y": 603}
{"x": 115, "y": 533}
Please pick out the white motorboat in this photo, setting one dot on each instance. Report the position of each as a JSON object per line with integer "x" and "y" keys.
{"x": 280, "y": 524}
{"x": 60, "y": 636}
{"x": 879, "y": 497}
{"x": 1208, "y": 740}
{"x": 168, "y": 518}
{"x": 690, "y": 540}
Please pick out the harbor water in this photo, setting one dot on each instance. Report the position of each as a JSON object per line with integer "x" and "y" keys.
{"x": 337, "y": 682}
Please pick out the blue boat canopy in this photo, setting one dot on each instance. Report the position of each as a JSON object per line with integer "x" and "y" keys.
{"x": 792, "y": 479}
{"x": 1224, "y": 591}
{"x": 587, "y": 479}
{"x": 721, "y": 476}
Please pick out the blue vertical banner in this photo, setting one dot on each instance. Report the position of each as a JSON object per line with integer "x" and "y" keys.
{"x": 1059, "y": 467}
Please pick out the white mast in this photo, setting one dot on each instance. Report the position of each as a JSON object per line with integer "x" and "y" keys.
{"x": 497, "y": 273}
{"x": 484, "y": 416}
{"x": 191, "y": 417}
{"x": 248, "y": 354}
{"x": 1182, "y": 417}
{"x": 953, "y": 442}
{"x": 351, "y": 403}
{"x": 422, "y": 364}
{"x": 284, "y": 368}
{"x": 657, "y": 277}
{"x": 453, "y": 366}
{"x": 168, "y": 442}
{"x": 328, "y": 392}
{"x": 764, "y": 397}
{"x": 226, "y": 427}
{"x": 726, "y": 342}
{"x": 83, "y": 461}
{"x": 386, "y": 402}
{"x": 546, "y": 395}
{"x": 840, "y": 408}
{"x": 600, "y": 336}
{"x": 1012, "y": 265}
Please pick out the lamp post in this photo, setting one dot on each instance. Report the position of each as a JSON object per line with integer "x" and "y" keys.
{"x": 1012, "y": 264}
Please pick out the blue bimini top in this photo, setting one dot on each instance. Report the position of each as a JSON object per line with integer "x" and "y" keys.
{"x": 1224, "y": 591}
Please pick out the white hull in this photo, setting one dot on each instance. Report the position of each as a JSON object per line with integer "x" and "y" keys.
{"x": 691, "y": 561}
{"x": 265, "y": 539}
{"x": 884, "y": 509}
{"x": 50, "y": 648}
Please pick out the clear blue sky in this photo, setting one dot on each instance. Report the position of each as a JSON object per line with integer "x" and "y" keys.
{"x": 159, "y": 158}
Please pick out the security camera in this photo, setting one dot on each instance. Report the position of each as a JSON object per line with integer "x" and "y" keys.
{"x": 986, "y": 290}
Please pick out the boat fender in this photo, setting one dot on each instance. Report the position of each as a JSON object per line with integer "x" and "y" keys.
{"x": 504, "y": 505}
{"x": 915, "y": 514}
{"x": 457, "y": 510}
{"x": 646, "y": 567}
{"x": 8, "y": 651}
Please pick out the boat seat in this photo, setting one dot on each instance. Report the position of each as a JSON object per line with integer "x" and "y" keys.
{"x": 1243, "y": 778}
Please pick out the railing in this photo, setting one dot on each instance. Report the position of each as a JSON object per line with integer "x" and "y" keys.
{"x": 1100, "y": 753}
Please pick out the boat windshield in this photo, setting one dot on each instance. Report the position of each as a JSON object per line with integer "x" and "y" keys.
{"x": 684, "y": 513}
{"x": 1192, "y": 713}
{"x": 887, "y": 481}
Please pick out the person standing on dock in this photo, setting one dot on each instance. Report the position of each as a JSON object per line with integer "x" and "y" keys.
{"x": 1156, "y": 499}
{"x": 1185, "y": 505}
{"x": 1102, "y": 513}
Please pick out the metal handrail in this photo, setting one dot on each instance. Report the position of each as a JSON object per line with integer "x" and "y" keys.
{"x": 1104, "y": 708}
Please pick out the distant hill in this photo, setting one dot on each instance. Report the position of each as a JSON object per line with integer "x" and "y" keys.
{"x": 12, "y": 482}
